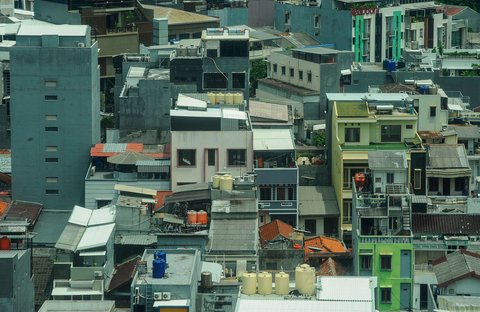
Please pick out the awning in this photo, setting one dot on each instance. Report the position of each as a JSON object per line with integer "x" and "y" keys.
{"x": 448, "y": 173}
{"x": 153, "y": 165}
{"x": 454, "y": 107}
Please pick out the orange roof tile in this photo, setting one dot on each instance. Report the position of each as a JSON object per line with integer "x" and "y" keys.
{"x": 327, "y": 244}
{"x": 331, "y": 267}
{"x": 98, "y": 149}
{"x": 3, "y": 207}
{"x": 273, "y": 229}
{"x": 453, "y": 10}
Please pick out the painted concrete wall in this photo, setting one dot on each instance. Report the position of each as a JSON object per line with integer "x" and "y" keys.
{"x": 17, "y": 291}
{"x": 55, "y": 12}
{"x": 331, "y": 19}
{"x": 468, "y": 286}
{"x": 231, "y": 16}
{"x": 261, "y": 13}
{"x": 76, "y": 110}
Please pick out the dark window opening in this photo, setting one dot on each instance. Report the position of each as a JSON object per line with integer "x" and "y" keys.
{"x": 51, "y": 97}
{"x": 386, "y": 295}
{"x": 433, "y": 111}
{"x": 237, "y": 157}
{"x": 311, "y": 226}
{"x": 211, "y": 157}
{"x": 238, "y": 80}
{"x": 352, "y": 135}
{"x": 365, "y": 262}
{"x": 265, "y": 193}
{"x": 292, "y": 72}
{"x": 51, "y": 192}
{"x": 386, "y": 262}
{"x": 300, "y": 74}
{"x": 212, "y": 53}
{"x": 51, "y": 159}
{"x": 214, "y": 81}
{"x": 309, "y": 77}
{"x": 186, "y": 158}
{"x": 391, "y": 133}
{"x": 275, "y": 68}
{"x": 234, "y": 48}
{"x": 51, "y": 128}
{"x": 284, "y": 70}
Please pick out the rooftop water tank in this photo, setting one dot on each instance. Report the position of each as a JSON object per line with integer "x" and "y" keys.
{"x": 216, "y": 181}
{"x": 249, "y": 283}
{"x": 158, "y": 268}
{"x": 265, "y": 283}
{"x": 226, "y": 183}
{"x": 305, "y": 279}
{"x": 282, "y": 281}
{"x": 192, "y": 217}
{"x": 202, "y": 217}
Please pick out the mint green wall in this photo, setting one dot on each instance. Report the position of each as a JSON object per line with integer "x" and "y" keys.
{"x": 387, "y": 278}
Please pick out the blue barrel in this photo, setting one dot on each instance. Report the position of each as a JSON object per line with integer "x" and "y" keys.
{"x": 158, "y": 268}
{"x": 392, "y": 66}
{"x": 423, "y": 89}
{"x": 161, "y": 255}
{"x": 385, "y": 63}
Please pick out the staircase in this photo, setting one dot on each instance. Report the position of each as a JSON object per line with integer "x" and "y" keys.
{"x": 149, "y": 298}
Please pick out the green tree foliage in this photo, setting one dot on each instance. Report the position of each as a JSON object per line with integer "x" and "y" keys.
{"x": 474, "y": 4}
{"x": 319, "y": 139}
{"x": 258, "y": 70}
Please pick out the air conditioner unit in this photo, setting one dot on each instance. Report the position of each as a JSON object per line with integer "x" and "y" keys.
{"x": 81, "y": 45}
{"x": 97, "y": 273}
{"x": 166, "y": 296}
{"x": 435, "y": 237}
{"x": 157, "y": 296}
{"x": 473, "y": 238}
{"x": 423, "y": 237}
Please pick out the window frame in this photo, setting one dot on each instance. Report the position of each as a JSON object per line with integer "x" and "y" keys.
{"x": 51, "y": 98}
{"x": 387, "y": 136}
{"x": 433, "y": 111}
{"x": 179, "y": 158}
{"x": 417, "y": 179}
{"x": 355, "y": 129}
{"x": 244, "y": 80}
{"x": 362, "y": 266}
{"x": 231, "y": 150}
{"x": 385, "y": 297}
{"x": 385, "y": 262}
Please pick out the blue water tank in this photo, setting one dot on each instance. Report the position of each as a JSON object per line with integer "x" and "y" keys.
{"x": 160, "y": 254}
{"x": 158, "y": 268}
{"x": 392, "y": 66}
{"x": 385, "y": 63}
{"x": 423, "y": 89}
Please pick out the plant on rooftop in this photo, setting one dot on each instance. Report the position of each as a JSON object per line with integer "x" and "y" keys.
{"x": 258, "y": 70}
{"x": 319, "y": 139}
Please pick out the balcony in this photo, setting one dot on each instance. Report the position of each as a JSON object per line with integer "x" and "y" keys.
{"x": 370, "y": 239}
{"x": 278, "y": 206}
{"x": 445, "y": 204}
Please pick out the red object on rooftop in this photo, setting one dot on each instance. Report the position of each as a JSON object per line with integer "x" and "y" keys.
{"x": 297, "y": 246}
{"x": 5, "y": 243}
{"x": 359, "y": 179}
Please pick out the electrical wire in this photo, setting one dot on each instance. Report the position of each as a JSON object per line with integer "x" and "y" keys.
{"x": 218, "y": 69}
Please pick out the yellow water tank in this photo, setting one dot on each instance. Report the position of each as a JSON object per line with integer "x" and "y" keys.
{"x": 249, "y": 283}
{"x": 229, "y": 98}
{"x": 216, "y": 181}
{"x": 211, "y": 97}
{"x": 238, "y": 98}
{"x": 305, "y": 279}
{"x": 226, "y": 183}
{"x": 265, "y": 283}
{"x": 282, "y": 286}
{"x": 220, "y": 98}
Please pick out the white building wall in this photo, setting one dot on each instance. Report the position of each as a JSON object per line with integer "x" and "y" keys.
{"x": 468, "y": 286}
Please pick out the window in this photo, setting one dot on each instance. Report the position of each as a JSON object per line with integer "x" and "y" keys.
{"x": 51, "y": 191}
{"x": 349, "y": 171}
{"x": 309, "y": 76}
{"x": 459, "y": 184}
{"x": 287, "y": 18}
{"x": 212, "y": 53}
{"x": 50, "y": 117}
{"x": 300, "y": 74}
{"x": 186, "y": 157}
{"x": 50, "y": 83}
{"x": 51, "y": 159}
{"x": 51, "y": 97}
{"x": 433, "y": 111}
{"x": 417, "y": 179}
{"x": 51, "y": 179}
{"x": 211, "y": 157}
{"x": 214, "y": 81}
{"x": 316, "y": 21}
{"x": 365, "y": 262}
{"x": 390, "y": 178}
{"x": 352, "y": 135}
{"x": 347, "y": 211}
{"x": 51, "y": 129}
{"x": 265, "y": 193}
{"x": 281, "y": 193}
{"x": 292, "y": 72}
{"x": 51, "y": 148}
{"x": 238, "y": 80}
{"x": 386, "y": 262}
{"x": 234, "y": 48}
{"x": 385, "y": 295}
{"x": 284, "y": 70}
{"x": 409, "y": 127}
{"x": 275, "y": 68}
{"x": 236, "y": 157}
{"x": 391, "y": 133}
{"x": 433, "y": 184}
{"x": 311, "y": 226}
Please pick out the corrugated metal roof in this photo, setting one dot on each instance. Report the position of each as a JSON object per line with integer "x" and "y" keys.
{"x": 272, "y": 139}
{"x": 23, "y": 209}
{"x": 124, "y": 273}
{"x": 387, "y": 160}
{"x": 453, "y": 224}
{"x": 135, "y": 239}
{"x": 80, "y": 216}
{"x": 153, "y": 165}
{"x": 95, "y": 236}
{"x": 114, "y": 147}
{"x": 447, "y": 156}
{"x": 317, "y": 201}
{"x": 234, "y": 114}
{"x": 268, "y": 110}
{"x": 466, "y": 132}
{"x": 456, "y": 266}
{"x": 89, "y": 217}
{"x": 233, "y": 235}
{"x": 70, "y": 237}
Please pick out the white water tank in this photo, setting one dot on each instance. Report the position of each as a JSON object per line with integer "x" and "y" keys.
{"x": 249, "y": 283}
{"x": 229, "y": 98}
{"x": 265, "y": 283}
{"x": 282, "y": 281}
{"x": 305, "y": 279}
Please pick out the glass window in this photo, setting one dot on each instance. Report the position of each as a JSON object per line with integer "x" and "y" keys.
{"x": 300, "y": 74}
{"x": 316, "y": 21}
{"x": 211, "y": 157}
{"x": 265, "y": 193}
{"x": 292, "y": 72}
{"x": 51, "y": 97}
{"x": 236, "y": 157}
{"x": 385, "y": 295}
{"x": 238, "y": 80}
{"x": 281, "y": 195}
{"x": 51, "y": 148}
{"x": 275, "y": 68}
{"x": 51, "y": 179}
{"x": 433, "y": 111}
{"x": 51, "y": 129}
{"x": 309, "y": 77}
{"x": 365, "y": 262}
{"x": 352, "y": 135}
{"x": 433, "y": 184}
{"x": 386, "y": 262}
{"x": 287, "y": 18}
{"x": 417, "y": 179}
{"x": 50, "y": 117}
{"x": 214, "y": 81}
{"x": 50, "y": 83}
{"x": 459, "y": 184}
{"x": 51, "y": 159}
{"x": 186, "y": 158}
{"x": 390, "y": 178}
{"x": 347, "y": 211}
{"x": 391, "y": 133}
{"x": 284, "y": 70}
{"x": 51, "y": 191}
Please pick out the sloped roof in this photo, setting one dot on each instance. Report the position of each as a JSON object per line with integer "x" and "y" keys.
{"x": 3, "y": 207}
{"x": 272, "y": 230}
{"x": 387, "y": 160}
{"x": 95, "y": 236}
{"x": 465, "y": 132}
{"x": 24, "y": 209}
{"x": 327, "y": 244}
{"x": 317, "y": 200}
{"x": 70, "y": 237}
{"x": 456, "y": 266}
{"x": 89, "y": 217}
{"x": 124, "y": 272}
{"x": 447, "y": 156}
{"x": 451, "y": 10}
{"x": 331, "y": 267}
{"x": 453, "y": 224}
{"x": 270, "y": 111}
{"x": 352, "y": 109}
{"x": 233, "y": 235}
{"x": 272, "y": 139}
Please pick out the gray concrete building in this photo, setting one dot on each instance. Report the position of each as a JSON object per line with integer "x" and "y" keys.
{"x": 55, "y": 113}
{"x": 16, "y": 292}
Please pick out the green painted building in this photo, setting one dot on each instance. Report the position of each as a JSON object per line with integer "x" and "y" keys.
{"x": 381, "y": 229}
